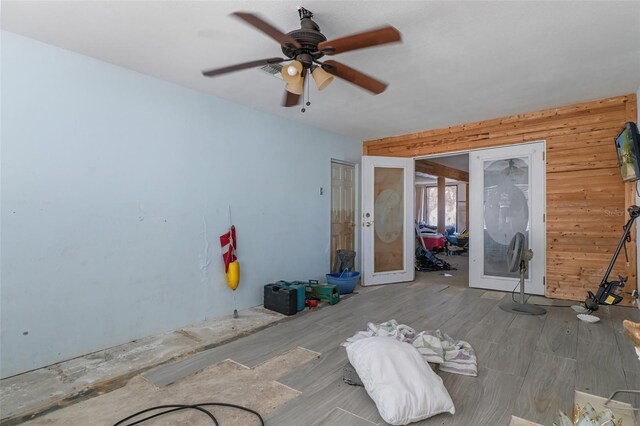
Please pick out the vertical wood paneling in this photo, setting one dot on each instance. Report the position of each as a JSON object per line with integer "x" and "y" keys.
{"x": 586, "y": 198}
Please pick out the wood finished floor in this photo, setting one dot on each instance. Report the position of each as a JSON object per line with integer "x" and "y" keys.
{"x": 528, "y": 366}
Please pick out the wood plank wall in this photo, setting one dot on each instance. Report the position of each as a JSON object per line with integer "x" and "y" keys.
{"x": 586, "y": 198}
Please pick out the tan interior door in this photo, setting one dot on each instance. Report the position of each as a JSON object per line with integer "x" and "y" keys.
{"x": 342, "y": 208}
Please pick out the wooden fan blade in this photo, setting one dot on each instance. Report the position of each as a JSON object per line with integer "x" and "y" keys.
{"x": 354, "y": 76}
{"x": 290, "y": 99}
{"x": 359, "y": 41}
{"x": 238, "y": 67}
{"x": 262, "y": 25}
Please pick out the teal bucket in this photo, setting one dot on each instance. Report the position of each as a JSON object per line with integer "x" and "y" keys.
{"x": 346, "y": 281}
{"x": 301, "y": 292}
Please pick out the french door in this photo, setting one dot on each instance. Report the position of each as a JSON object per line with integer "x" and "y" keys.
{"x": 387, "y": 220}
{"x": 507, "y": 195}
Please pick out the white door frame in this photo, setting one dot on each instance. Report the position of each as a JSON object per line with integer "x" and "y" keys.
{"x": 535, "y": 283}
{"x": 407, "y": 273}
{"x": 542, "y": 253}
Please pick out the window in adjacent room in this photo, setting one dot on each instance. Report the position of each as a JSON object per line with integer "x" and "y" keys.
{"x": 451, "y": 205}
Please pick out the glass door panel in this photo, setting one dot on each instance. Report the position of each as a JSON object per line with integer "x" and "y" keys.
{"x": 388, "y": 209}
{"x": 507, "y": 195}
{"x": 506, "y": 211}
{"x": 387, "y": 220}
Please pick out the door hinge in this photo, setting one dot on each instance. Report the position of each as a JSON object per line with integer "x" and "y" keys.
{"x": 543, "y": 155}
{"x": 544, "y": 281}
{"x": 544, "y": 218}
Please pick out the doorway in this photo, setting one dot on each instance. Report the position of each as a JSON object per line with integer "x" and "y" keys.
{"x": 442, "y": 219}
{"x": 508, "y": 197}
{"x": 493, "y": 210}
{"x": 343, "y": 207}
{"x": 387, "y": 220}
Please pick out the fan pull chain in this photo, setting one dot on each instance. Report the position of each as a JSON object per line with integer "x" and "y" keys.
{"x": 308, "y": 96}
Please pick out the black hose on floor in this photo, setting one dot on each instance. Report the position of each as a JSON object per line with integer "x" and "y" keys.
{"x": 177, "y": 407}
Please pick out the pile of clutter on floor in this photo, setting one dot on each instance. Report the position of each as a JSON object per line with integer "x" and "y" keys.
{"x": 426, "y": 261}
{"x": 588, "y": 416}
{"x": 396, "y": 366}
{"x": 291, "y": 297}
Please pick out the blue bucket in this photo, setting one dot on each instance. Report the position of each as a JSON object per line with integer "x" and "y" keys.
{"x": 346, "y": 281}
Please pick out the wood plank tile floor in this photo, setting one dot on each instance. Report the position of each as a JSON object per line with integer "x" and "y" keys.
{"x": 528, "y": 366}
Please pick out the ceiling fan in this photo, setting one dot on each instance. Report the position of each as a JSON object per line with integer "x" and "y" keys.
{"x": 304, "y": 47}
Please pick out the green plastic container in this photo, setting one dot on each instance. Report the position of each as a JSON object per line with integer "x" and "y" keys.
{"x": 325, "y": 292}
{"x": 301, "y": 290}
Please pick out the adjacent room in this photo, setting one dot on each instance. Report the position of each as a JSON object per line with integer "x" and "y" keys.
{"x": 442, "y": 218}
{"x": 335, "y": 213}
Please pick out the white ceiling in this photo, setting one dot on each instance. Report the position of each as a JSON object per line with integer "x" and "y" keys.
{"x": 459, "y": 61}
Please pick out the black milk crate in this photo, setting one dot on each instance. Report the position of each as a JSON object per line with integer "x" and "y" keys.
{"x": 281, "y": 299}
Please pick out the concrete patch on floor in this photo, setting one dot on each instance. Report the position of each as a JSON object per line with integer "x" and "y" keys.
{"x": 280, "y": 365}
{"x": 495, "y": 295}
{"x": 227, "y": 381}
{"x": 227, "y": 327}
{"x": 20, "y": 393}
{"x": 41, "y": 389}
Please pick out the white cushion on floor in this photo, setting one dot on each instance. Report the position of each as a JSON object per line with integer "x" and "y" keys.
{"x": 403, "y": 386}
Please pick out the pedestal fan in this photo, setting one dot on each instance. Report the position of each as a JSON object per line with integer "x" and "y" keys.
{"x": 517, "y": 258}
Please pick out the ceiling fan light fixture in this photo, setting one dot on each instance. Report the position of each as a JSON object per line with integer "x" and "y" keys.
{"x": 296, "y": 87}
{"x": 292, "y": 72}
{"x": 302, "y": 48}
{"x": 321, "y": 78}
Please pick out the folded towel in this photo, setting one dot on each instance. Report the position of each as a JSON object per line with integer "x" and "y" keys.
{"x": 452, "y": 356}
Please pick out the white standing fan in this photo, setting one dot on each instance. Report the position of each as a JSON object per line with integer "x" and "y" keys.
{"x": 517, "y": 258}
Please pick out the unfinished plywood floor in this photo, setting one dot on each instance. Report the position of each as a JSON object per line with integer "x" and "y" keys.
{"x": 528, "y": 366}
{"x": 76, "y": 379}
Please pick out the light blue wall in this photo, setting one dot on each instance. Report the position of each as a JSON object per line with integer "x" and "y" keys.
{"x": 115, "y": 189}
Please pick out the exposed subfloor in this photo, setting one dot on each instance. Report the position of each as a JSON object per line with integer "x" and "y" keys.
{"x": 85, "y": 376}
{"x": 529, "y": 366}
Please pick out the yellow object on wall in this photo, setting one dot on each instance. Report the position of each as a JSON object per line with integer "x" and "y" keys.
{"x": 233, "y": 275}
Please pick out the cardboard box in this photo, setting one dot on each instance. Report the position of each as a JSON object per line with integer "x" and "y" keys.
{"x": 621, "y": 410}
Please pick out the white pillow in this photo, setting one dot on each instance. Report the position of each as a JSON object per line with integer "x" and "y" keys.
{"x": 399, "y": 381}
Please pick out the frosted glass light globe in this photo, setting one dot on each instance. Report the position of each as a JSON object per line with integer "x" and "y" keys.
{"x": 291, "y": 70}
